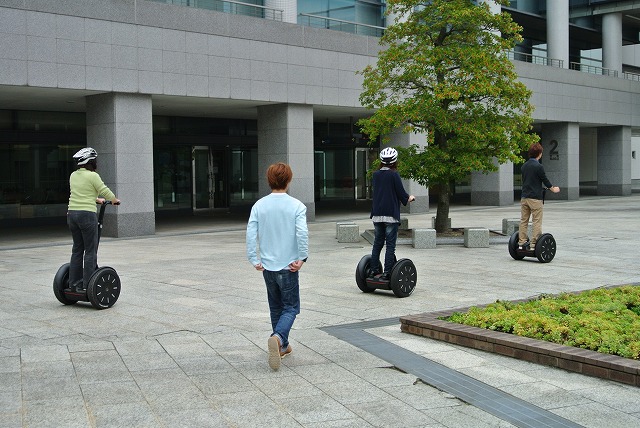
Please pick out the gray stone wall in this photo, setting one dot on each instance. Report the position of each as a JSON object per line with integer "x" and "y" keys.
{"x": 154, "y": 48}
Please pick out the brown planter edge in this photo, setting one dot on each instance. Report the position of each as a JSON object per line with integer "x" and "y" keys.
{"x": 584, "y": 361}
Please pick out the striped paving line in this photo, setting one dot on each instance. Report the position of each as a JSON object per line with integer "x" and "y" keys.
{"x": 492, "y": 400}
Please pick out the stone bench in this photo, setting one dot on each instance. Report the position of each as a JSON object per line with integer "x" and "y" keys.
{"x": 424, "y": 238}
{"x": 512, "y": 225}
{"x": 404, "y": 224}
{"x": 433, "y": 222}
{"x": 338, "y": 223}
{"x": 476, "y": 237}
{"x": 348, "y": 233}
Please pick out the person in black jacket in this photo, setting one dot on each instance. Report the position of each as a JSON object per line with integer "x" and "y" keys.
{"x": 388, "y": 193}
{"x": 532, "y": 199}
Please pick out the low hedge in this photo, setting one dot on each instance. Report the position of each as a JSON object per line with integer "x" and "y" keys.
{"x": 605, "y": 320}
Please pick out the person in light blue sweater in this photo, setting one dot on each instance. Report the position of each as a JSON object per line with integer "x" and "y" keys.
{"x": 278, "y": 246}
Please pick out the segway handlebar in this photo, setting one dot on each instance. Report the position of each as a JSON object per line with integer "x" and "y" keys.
{"x": 107, "y": 202}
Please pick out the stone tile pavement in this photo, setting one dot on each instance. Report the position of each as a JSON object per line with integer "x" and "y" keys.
{"x": 185, "y": 345}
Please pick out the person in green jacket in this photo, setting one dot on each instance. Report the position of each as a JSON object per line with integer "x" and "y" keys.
{"x": 87, "y": 190}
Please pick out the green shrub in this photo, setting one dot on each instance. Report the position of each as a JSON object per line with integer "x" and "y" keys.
{"x": 605, "y": 320}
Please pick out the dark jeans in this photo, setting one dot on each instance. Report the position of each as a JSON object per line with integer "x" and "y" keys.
{"x": 283, "y": 292}
{"x": 84, "y": 230}
{"x": 385, "y": 233}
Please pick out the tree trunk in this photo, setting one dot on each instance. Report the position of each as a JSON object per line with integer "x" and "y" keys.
{"x": 442, "y": 214}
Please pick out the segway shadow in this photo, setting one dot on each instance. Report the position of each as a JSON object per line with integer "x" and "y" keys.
{"x": 402, "y": 280}
{"x": 103, "y": 288}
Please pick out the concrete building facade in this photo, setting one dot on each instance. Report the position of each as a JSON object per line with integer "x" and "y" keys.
{"x": 188, "y": 105}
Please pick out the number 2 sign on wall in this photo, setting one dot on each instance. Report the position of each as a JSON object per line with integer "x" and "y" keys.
{"x": 553, "y": 153}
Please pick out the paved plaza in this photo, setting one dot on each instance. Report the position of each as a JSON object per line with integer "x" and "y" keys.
{"x": 186, "y": 343}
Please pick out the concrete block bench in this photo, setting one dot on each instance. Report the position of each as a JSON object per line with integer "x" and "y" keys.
{"x": 348, "y": 233}
{"x": 433, "y": 223}
{"x": 510, "y": 225}
{"x": 338, "y": 223}
{"x": 476, "y": 237}
{"x": 404, "y": 224}
{"x": 424, "y": 238}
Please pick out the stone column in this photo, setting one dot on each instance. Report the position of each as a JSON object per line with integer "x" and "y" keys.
{"x": 421, "y": 204}
{"x": 289, "y": 7}
{"x": 494, "y": 188}
{"x": 614, "y": 161}
{"x": 119, "y": 127}
{"x": 558, "y": 31}
{"x": 561, "y": 158}
{"x": 285, "y": 134}
{"x": 612, "y": 41}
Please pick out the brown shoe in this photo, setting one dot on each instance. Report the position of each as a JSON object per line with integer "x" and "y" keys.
{"x": 274, "y": 352}
{"x": 286, "y": 351}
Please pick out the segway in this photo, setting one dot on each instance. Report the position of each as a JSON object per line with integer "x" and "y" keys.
{"x": 544, "y": 251}
{"x": 402, "y": 280}
{"x": 103, "y": 289}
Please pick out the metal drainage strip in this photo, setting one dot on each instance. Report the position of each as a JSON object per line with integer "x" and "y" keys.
{"x": 498, "y": 403}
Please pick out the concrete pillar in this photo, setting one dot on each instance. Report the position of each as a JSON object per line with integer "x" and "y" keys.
{"x": 421, "y": 204}
{"x": 558, "y": 31}
{"x": 612, "y": 41}
{"x": 561, "y": 158}
{"x": 289, "y": 7}
{"x": 614, "y": 161}
{"x": 119, "y": 127}
{"x": 494, "y": 188}
{"x": 285, "y": 134}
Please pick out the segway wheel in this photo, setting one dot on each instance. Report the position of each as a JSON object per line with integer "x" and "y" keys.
{"x": 545, "y": 248}
{"x": 513, "y": 247}
{"x": 403, "y": 278}
{"x": 60, "y": 282}
{"x": 362, "y": 271}
{"x": 103, "y": 289}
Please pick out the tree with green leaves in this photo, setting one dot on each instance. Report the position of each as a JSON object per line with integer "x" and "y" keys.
{"x": 443, "y": 71}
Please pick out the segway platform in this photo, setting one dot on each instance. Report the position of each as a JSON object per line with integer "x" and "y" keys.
{"x": 102, "y": 291}
{"x": 544, "y": 251}
{"x": 402, "y": 280}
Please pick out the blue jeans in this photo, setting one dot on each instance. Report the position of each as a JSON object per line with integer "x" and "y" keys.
{"x": 385, "y": 233}
{"x": 283, "y": 292}
{"x": 84, "y": 254}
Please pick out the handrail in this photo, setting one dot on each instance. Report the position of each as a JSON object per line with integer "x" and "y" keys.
{"x": 535, "y": 59}
{"x": 631, "y": 76}
{"x": 340, "y": 25}
{"x": 592, "y": 69}
{"x": 230, "y": 6}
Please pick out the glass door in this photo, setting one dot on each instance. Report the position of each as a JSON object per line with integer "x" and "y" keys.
{"x": 362, "y": 186}
{"x": 320, "y": 174}
{"x": 219, "y": 182}
{"x": 203, "y": 186}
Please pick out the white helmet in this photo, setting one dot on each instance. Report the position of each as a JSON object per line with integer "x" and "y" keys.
{"x": 85, "y": 155}
{"x": 388, "y": 156}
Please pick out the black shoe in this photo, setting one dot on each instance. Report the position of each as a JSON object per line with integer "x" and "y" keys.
{"x": 385, "y": 276}
{"x": 524, "y": 247}
{"x": 75, "y": 285}
{"x": 78, "y": 287}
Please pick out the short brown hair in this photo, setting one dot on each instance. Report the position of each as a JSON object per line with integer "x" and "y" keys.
{"x": 535, "y": 150}
{"x": 279, "y": 176}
